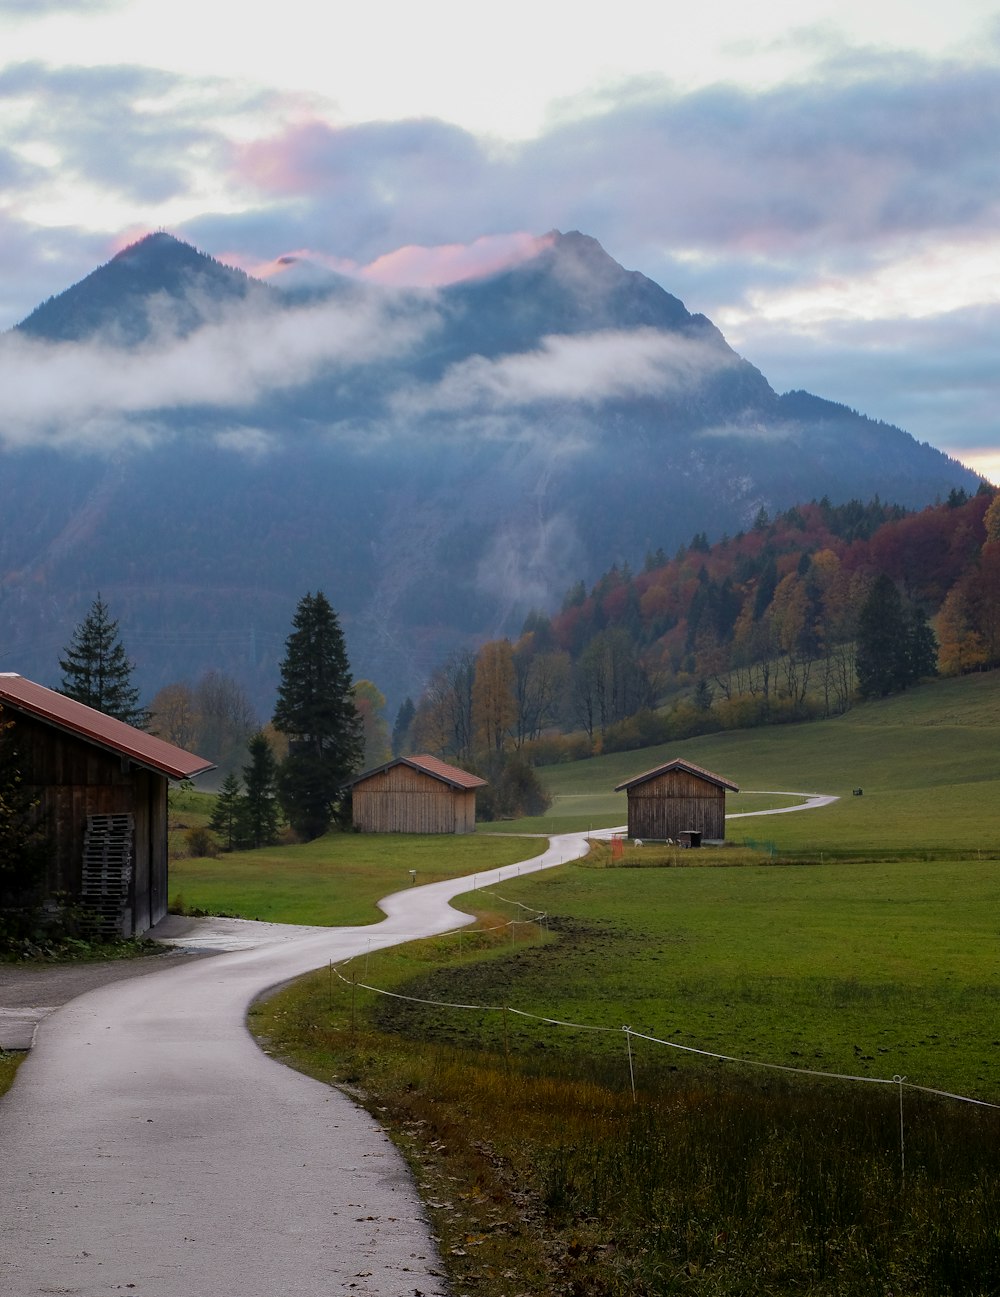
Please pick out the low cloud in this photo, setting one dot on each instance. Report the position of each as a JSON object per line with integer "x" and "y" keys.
{"x": 407, "y": 267}
{"x": 98, "y": 395}
{"x": 591, "y": 368}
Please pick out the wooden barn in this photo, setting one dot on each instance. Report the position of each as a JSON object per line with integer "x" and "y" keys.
{"x": 415, "y": 794}
{"x": 677, "y": 799}
{"x": 101, "y": 787}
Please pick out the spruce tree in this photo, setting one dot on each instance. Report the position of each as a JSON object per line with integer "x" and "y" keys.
{"x": 228, "y": 813}
{"x": 896, "y": 646}
{"x": 96, "y": 670}
{"x": 882, "y": 634}
{"x": 315, "y": 709}
{"x": 260, "y": 809}
{"x": 401, "y": 731}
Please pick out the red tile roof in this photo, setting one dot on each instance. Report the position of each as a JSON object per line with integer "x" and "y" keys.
{"x": 430, "y": 766}
{"x": 679, "y": 763}
{"x": 103, "y": 731}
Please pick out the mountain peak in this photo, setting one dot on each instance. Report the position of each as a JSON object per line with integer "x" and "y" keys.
{"x": 157, "y": 283}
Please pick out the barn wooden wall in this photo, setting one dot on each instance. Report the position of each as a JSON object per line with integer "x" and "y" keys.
{"x": 73, "y": 779}
{"x": 404, "y": 800}
{"x": 673, "y": 802}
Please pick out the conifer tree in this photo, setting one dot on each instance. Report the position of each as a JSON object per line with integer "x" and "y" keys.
{"x": 227, "y": 814}
{"x": 401, "y": 730}
{"x": 896, "y": 646}
{"x": 96, "y": 670}
{"x": 316, "y": 710}
{"x": 259, "y": 822}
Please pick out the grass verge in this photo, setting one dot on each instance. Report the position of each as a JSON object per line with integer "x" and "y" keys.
{"x": 10, "y": 1061}
{"x": 543, "y": 1175}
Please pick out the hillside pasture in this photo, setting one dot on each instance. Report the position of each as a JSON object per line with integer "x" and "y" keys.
{"x": 928, "y": 762}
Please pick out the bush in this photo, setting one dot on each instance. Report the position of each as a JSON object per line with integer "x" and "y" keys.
{"x": 514, "y": 791}
{"x": 201, "y": 842}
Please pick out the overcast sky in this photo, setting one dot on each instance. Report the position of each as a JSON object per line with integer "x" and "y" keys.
{"x": 819, "y": 177}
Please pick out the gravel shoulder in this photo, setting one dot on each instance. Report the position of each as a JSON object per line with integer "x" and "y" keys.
{"x": 30, "y": 992}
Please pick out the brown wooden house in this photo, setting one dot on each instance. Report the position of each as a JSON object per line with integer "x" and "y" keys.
{"x": 415, "y": 794}
{"x": 676, "y": 799}
{"x": 101, "y": 787}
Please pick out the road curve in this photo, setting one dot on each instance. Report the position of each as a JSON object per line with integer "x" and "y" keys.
{"x": 811, "y": 802}
{"x": 149, "y": 1147}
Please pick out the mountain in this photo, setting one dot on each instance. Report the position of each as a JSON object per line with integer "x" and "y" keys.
{"x": 204, "y": 448}
{"x": 158, "y": 280}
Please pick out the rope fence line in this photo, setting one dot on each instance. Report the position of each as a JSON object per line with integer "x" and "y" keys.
{"x": 630, "y": 1035}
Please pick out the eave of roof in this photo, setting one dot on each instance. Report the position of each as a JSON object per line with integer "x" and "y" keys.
{"x": 427, "y": 765}
{"x": 86, "y": 723}
{"x": 678, "y": 763}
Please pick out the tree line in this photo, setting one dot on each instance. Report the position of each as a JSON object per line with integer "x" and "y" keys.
{"x": 799, "y": 616}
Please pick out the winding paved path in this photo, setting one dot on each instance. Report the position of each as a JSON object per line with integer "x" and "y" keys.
{"x": 812, "y": 802}
{"x": 149, "y": 1147}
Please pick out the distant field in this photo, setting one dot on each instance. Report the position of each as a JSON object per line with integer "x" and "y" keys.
{"x": 928, "y": 762}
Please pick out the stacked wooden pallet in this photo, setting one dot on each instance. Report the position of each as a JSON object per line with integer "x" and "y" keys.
{"x": 107, "y": 873}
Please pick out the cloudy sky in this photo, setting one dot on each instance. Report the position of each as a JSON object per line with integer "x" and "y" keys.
{"x": 820, "y": 177}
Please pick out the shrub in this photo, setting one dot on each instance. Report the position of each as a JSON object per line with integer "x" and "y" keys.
{"x": 201, "y": 842}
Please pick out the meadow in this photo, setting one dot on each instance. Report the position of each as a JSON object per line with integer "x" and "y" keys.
{"x": 336, "y": 879}
{"x": 857, "y": 940}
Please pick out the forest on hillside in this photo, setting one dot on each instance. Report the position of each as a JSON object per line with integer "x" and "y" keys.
{"x": 795, "y": 618}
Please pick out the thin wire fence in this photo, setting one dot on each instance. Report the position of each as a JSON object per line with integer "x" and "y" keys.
{"x": 538, "y": 920}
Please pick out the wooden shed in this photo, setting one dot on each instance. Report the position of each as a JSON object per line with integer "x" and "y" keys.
{"x": 675, "y": 799}
{"x": 101, "y": 787}
{"x": 415, "y": 794}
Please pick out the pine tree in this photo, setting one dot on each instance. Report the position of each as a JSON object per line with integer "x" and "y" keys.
{"x": 228, "y": 813}
{"x": 401, "y": 731}
{"x": 896, "y": 646}
{"x": 315, "y": 709}
{"x": 881, "y": 640}
{"x": 260, "y": 809}
{"x": 97, "y": 672}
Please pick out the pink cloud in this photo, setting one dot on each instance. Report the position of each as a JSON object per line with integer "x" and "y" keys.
{"x": 411, "y": 266}
{"x": 417, "y": 267}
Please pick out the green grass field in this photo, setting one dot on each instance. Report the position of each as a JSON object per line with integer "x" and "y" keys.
{"x": 335, "y": 880}
{"x": 864, "y": 940}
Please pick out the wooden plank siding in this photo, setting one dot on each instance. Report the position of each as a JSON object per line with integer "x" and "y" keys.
{"x": 72, "y": 779}
{"x": 673, "y": 802}
{"x": 404, "y": 800}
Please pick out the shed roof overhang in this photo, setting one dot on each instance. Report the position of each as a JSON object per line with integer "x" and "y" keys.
{"x": 92, "y": 726}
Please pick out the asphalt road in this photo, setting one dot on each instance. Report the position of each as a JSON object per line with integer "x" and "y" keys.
{"x": 149, "y": 1147}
